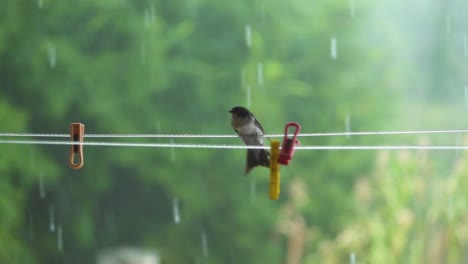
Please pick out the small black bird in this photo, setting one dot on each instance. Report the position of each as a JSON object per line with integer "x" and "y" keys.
{"x": 251, "y": 133}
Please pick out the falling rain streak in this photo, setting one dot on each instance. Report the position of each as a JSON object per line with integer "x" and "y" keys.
{"x": 40, "y": 3}
{"x": 466, "y": 97}
{"x": 150, "y": 16}
{"x": 249, "y": 95}
{"x": 348, "y": 124}
{"x": 204, "y": 242}
{"x": 333, "y": 48}
{"x": 352, "y": 8}
{"x": 41, "y": 186}
{"x": 261, "y": 13}
{"x": 143, "y": 54}
{"x": 248, "y": 36}
{"x": 465, "y": 45}
{"x": 352, "y": 258}
{"x": 59, "y": 238}
{"x": 147, "y": 19}
{"x": 175, "y": 210}
{"x": 243, "y": 80}
{"x": 260, "y": 74}
{"x": 51, "y": 218}
{"x": 51, "y": 56}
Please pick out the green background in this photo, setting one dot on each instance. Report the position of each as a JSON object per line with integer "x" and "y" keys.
{"x": 177, "y": 67}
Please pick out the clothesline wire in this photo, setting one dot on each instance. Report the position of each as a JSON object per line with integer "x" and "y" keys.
{"x": 213, "y": 146}
{"x": 318, "y": 134}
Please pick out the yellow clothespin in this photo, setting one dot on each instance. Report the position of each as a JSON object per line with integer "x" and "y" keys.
{"x": 76, "y": 135}
{"x": 274, "y": 170}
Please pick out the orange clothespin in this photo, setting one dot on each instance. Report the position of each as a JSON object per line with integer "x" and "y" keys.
{"x": 76, "y": 135}
{"x": 274, "y": 170}
{"x": 287, "y": 149}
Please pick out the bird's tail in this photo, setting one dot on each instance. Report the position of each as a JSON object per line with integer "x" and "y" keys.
{"x": 257, "y": 157}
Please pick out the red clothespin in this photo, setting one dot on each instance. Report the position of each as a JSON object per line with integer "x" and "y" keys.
{"x": 76, "y": 135}
{"x": 287, "y": 149}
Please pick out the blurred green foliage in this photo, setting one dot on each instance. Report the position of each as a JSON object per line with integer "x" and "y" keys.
{"x": 177, "y": 67}
{"x": 407, "y": 213}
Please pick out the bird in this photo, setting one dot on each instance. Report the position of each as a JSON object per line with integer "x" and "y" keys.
{"x": 251, "y": 133}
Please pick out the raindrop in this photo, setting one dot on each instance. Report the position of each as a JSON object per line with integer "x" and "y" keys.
{"x": 466, "y": 97}
{"x": 51, "y": 218}
{"x": 41, "y": 186}
{"x": 143, "y": 54}
{"x": 448, "y": 23}
{"x": 40, "y": 3}
{"x": 333, "y": 48}
{"x": 261, "y": 13}
{"x": 249, "y": 95}
{"x": 465, "y": 45}
{"x": 260, "y": 74}
{"x": 175, "y": 209}
{"x": 173, "y": 154}
{"x": 204, "y": 241}
{"x": 59, "y": 238}
{"x": 152, "y": 15}
{"x": 147, "y": 17}
{"x": 352, "y": 8}
{"x": 51, "y": 55}
{"x": 352, "y": 258}
{"x": 253, "y": 190}
{"x": 243, "y": 78}
{"x": 348, "y": 124}
{"x": 248, "y": 35}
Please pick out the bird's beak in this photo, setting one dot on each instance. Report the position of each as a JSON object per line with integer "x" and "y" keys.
{"x": 230, "y": 111}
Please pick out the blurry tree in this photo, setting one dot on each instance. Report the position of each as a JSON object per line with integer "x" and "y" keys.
{"x": 407, "y": 213}
{"x": 177, "y": 67}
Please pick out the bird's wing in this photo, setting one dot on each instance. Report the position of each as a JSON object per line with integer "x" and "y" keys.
{"x": 236, "y": 131}
{"x": 258, "y": 125}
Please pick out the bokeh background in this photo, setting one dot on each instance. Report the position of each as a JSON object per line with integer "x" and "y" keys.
{"x": 176, "y": 67}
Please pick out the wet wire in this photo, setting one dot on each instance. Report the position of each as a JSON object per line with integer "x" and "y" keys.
{"x": 224, "y": 146}
{"x": 318, "y": 134}
{"x": 221, "y": 146}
